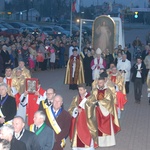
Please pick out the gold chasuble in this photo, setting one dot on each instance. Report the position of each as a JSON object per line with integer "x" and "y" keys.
{"x": 78, "y": 72}
{"x": 102, "y": 116}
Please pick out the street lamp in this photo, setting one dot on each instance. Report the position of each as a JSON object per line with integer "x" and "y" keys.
{"x": 78, "y": 20}
{"x": 31, "y": 1}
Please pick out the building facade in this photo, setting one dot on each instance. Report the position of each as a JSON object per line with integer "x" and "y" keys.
{"x": 2, "y": 5}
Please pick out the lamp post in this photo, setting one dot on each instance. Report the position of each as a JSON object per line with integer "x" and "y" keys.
{"x": 31, "y": 1}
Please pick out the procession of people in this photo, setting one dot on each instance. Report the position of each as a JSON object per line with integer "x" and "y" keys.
{"x": 33, "y": 118}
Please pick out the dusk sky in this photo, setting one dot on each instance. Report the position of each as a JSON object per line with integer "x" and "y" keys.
{"x": 140, "y": 3}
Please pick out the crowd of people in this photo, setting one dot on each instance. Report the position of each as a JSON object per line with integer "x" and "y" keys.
{"x": 33, "y": 118}
{"x": 38, "y": 51}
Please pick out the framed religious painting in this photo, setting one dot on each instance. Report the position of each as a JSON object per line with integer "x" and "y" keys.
{"x": 31, "y": 85}
{"x": 103, "y": 33}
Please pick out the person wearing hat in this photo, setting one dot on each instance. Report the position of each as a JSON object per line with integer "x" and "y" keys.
{"x": 97, "y": 63}
{"x": 138, "y": 78}
{"x": 74, "y": 72}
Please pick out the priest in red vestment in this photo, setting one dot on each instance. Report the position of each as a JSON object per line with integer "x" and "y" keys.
{"x": 102, "y": 116}
{"x": 119, "y": 84}
{"x": 29, "y": 103}
{"x": 79, "y": 133}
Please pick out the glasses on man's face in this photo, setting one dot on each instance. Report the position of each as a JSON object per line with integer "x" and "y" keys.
{"x": 49, "y": 93}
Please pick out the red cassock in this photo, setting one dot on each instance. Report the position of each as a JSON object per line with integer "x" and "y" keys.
{"x": 9, "y": 81}
{"x": 32, "y": 105}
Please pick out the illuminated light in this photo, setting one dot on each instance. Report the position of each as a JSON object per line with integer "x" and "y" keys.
{"x": 135, "y": 16}
{"x": 9, "y": 13}
{"x": 78, "y": 20}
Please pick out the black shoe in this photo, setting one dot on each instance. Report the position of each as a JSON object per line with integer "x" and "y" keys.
{"x": 138, "y": 102}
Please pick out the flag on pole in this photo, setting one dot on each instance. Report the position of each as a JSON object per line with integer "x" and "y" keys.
{"x": 73, "y": 6}
{"x": 76, "y": 6}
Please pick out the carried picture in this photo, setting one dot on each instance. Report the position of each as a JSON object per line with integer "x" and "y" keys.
{"x": 103, "y": 33}
{"x": 31, "y": 85}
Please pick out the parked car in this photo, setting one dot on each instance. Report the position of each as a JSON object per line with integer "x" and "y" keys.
{"x": 9, "y": 32}
{"x": 61, "y": 30}
{"x": 50, "y": 30}
{"x": 75, "y": 28}
{"x": 2, "y": 27}
{"x": 18, "y": 25}
{"x": 28, "y": 29}
{"x": 33, "y": 25}
{"x": 87, "y": 28}
{"x": 6, "y": 25}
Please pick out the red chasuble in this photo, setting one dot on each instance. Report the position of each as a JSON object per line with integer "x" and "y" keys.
{"x": 80, "y": 124}
{"x": 103, "y": 122}
{"x": 32, "y": 105}
{"x": 121, "y": 98}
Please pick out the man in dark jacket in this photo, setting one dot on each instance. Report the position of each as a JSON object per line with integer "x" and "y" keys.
{"x": 59, "y": 120}
{"x": 44, "y": 134}
{"x": 29, "y": 138}
{"x": 7, "y": 105}
{"x": 138, "y": 78}
{"x": 7, "y": 132}
{"x": 127, "y": 53}
{"x": 5, "y": 56}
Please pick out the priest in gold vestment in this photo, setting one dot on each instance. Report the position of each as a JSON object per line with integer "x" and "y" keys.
{"x": 79, "y": 132}
{"x": 148, "y": 85}
{"x": 25, "y": 71}
{"x": 9, "y": 80}
{"x": 19, "y": 81}
{"x": 74, "y": 72}
{"x": 102, "y": 115}
{"x": 118, "y": 81}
